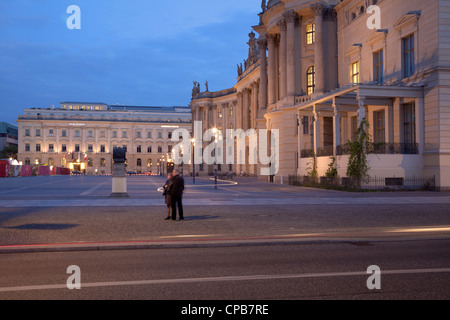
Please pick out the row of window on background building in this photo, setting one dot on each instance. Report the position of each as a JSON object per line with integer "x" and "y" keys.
{"x": 90, "y": 134}
{"x": 90, "y": 148}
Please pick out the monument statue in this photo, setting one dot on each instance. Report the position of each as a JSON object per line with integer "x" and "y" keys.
{"x": 195, "y": 89}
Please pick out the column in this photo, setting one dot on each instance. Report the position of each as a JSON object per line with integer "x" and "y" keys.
{"x": 283, "y": 62}
{"x": 262, "y": 43}
{"x": 291, "y": 18}
{"x": 272, "y": 40}
{"x": 336, "y": 128}
{"x": 207, "y": 124}
{"x": 420, "y": 124}
{"x": 225, "y": 117}
{"x": 245, "y": 108}
{"x": 215, "y": 111}
{"x": 255, "y": 94}
{"x": 316, "y": 130}
{"x": 300, "y": 138}
{"x": 361, "y": 110}
{"x": 319, "y": 55}
{"x": 239, "y": 111}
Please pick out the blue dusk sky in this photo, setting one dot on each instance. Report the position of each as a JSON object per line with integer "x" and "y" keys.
{"x": 135, "y": 52}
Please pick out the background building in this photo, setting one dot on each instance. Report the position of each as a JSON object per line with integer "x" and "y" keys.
{"x": 318, "y": 69}
{"x": 8, "y": 135}
{"x": 81, "y": 136}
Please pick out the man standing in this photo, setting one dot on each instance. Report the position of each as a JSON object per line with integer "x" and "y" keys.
{"x": 177, "y": 194}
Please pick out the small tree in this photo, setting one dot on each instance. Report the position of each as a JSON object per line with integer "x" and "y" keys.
{"x": 358, "y": 168}
{"x": 9, "y": 152}
{"x": 331, "y": 172}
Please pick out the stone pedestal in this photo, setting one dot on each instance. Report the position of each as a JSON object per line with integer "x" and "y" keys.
{"x": 119, "y": 181}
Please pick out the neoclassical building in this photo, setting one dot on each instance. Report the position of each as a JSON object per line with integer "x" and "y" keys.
{"x": 82, "y": 136}
{"x": 319, "y": 68}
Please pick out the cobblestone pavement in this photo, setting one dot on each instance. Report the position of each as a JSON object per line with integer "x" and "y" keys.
{"x": 78, "y": 210}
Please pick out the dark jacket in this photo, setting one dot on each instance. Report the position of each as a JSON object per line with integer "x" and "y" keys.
{"x": 166, "y": 188}
{"x": 177, "y": 186}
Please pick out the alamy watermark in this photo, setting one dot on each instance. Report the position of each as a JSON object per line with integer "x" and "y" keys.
{"x": 234, "y": 146}
{"x": 74, "y": 21}
{"x": 374, "y": 281}
{"x": 74, "y": 280}
{"x": 374, "y": 21}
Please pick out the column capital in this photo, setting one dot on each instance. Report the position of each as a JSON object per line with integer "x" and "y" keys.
{"x": 319, "y": 8}
{"x": 291, "y": 16}
{"x": 273, "y": 38}
{"x": 262, "y": 43}
{"x": 336, "y": 109}
{"x": 361, "y": 101}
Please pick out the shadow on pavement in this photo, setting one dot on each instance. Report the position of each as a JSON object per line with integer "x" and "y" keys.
{"x": 44, "y": 226}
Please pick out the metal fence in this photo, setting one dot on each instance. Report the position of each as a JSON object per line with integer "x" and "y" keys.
{"x": 371, "y": 183}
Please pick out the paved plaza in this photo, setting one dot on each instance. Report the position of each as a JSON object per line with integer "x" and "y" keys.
{"x": 78, "y": 210}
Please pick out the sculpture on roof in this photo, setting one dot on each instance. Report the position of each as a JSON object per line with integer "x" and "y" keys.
{"x": 253, "y": 52}
{"x": 195, "y": 89}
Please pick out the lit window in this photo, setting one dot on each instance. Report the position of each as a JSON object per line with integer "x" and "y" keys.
{"x": 355, "y": 72}
{"x": 311, "y": 81}
{"x": 310, "y": 33}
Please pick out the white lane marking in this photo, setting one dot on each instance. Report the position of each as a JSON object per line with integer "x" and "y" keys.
{"x": 223, "y": 279}
{"x": 87, "y": 192}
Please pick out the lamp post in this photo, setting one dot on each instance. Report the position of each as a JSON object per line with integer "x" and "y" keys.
{"x": 182, "y": 162}
{"x": 215, "y": 157}
{"x": 193, "y": 161}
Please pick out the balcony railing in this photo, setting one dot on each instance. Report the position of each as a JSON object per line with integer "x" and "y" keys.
{"x": 372, "y": 148}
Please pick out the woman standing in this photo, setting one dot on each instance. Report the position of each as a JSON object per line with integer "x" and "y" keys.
{"x": 167, "y": 195}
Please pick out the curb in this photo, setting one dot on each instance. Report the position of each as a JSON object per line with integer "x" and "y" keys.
{"x": 146, "y": 245}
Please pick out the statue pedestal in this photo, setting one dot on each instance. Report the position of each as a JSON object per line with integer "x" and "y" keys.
{"x": 119, "y": 181}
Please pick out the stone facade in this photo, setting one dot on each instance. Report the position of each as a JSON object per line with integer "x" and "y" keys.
{"x": 322, "y": 69}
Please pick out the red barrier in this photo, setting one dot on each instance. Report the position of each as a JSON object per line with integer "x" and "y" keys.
{"x": 26, "y": 171}
{"x": 43, "y": 171}
{"x": 65, "y": 171}
{"x": 4, "y": 168}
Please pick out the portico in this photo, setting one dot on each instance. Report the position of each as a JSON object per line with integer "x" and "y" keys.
{"x": 336, "y": 117}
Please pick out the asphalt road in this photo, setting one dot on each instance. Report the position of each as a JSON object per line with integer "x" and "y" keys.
{"x": 339, "y": 236}
{"x": 409, "y": 270}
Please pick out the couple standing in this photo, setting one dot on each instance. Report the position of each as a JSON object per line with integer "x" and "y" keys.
{"x": 173, "y": 192}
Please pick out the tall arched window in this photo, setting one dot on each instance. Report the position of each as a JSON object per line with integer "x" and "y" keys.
{"x": 139, "y": 162}
{"x": 90, "y": 162}
{"x": 311, "y": 80}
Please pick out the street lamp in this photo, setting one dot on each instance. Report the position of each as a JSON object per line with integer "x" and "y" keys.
{"x": 215, "y": 157}
{"x": 193, "y": 161}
